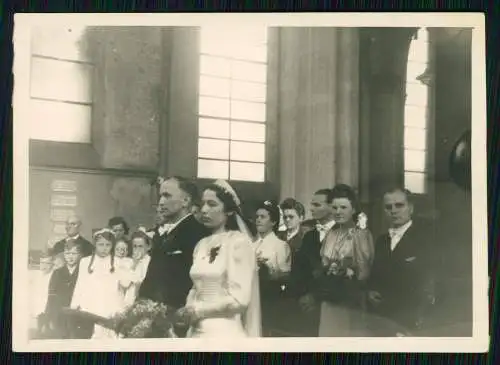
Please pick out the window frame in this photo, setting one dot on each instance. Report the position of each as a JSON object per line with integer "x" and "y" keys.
{"x": 428, "y": 170}
{"x": 269, "y": 116}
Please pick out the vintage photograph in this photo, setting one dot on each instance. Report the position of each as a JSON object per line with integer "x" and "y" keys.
{"x": 248, "y": 180}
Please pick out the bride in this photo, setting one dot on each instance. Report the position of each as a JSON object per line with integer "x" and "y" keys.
{"x": 224, "y": 300}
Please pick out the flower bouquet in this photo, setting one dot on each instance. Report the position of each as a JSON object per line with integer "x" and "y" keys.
{"x": 144, "y": 319}
{"x": 337, "y": 280}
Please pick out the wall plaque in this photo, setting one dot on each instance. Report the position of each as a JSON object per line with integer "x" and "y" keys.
{"x": 64, "y": 185}
{"x": 60, "y": 215}
{"x": 63, "y": 200}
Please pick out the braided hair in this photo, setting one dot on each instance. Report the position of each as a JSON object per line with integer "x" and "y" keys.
{"x": 108, "y": 236}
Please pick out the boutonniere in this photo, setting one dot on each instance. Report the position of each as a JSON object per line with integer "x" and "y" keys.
{"x": 214, "y": 251}
{"x": 411, "y": 259}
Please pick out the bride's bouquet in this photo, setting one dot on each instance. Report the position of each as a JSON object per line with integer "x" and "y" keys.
{"x": 145, "y": 319}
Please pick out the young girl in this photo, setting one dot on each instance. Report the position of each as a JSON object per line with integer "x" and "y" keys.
{"x": 134, "y": 275}
{"x": 97, "y": 288}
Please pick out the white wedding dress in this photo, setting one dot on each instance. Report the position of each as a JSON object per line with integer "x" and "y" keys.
{"x": 225, "y": 287}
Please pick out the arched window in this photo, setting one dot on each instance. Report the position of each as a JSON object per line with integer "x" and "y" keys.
{"x": 232, "y": 103}
{"x": 416, "y": 119}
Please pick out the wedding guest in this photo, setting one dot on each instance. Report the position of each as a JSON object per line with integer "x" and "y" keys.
{"x": 119, "y": 227}
{"x": 140, "y": 256}
{"x": 97, "y": 288}
{"x": 307, "y": 263}
{"x": 402, "y": 285}
{"x": 124, "y": 263}
{"x": 61, "y": 287}
{"x": 41, "y": 289}
{"x": 123, "y": 250}
{"x": 273, "y": 258}
{"x": 167, "y": 279}
{"x": 293, "y": 216}
{"x": 73, "y": 226}
{"x": 224, "y": 299}
{"x": 346, "y": 258}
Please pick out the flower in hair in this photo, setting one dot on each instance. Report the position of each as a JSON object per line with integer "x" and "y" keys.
{"x": 362, "y": 220}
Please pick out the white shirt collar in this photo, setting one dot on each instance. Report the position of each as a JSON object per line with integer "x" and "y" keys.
{"x": 73, "y": 238}
{"x": 400, "y": 231}
{"x": 326, "y": 226}
{"x": 290, "y": 235}
{"x": 169, "y": 227}
{"x": 396, "y": 234}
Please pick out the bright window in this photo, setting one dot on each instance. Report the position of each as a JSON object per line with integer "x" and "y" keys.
{"x": 60, "y": 86}
{"x": 416, "y": 115}
{"x": 232, "y": 103}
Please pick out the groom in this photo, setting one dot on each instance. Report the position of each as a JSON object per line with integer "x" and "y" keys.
{"x": 167, "y": 279}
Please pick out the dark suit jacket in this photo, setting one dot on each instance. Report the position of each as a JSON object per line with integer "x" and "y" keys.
{"x": 405, "y": 277}
{"x": 61, "y": 287}
{"x": 167, "y": 279}
{"x": 87, "y": 248}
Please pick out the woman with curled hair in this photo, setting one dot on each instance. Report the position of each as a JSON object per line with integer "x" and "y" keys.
{"x": 224, "y": 300}
{"x": 346, "y": 258}
{"x": 98, "y": 286}
{"x": 273, "y": 258}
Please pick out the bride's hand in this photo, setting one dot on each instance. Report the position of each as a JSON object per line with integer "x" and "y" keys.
{"x": 186, "y": 315}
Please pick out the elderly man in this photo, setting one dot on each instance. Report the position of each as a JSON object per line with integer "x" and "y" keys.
{"x": 73, "y": 226}
{"x": 402, "y": 279}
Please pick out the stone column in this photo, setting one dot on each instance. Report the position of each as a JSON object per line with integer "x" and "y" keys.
{"x": 347, "y": 127}
{"x": 127, "y": 94}
{"x": 318, "y": 109}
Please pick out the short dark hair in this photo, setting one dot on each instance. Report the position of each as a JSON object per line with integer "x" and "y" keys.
{"x": 116, "y": 221}
{"x": 347, "y": 192}
{"x": 325, "y": 192}
{"x": 187, "y": 186}
{"x": 291, "y": 203}
{"x": 230, "y": 205}
{"x": 398, "y": 189}
{"x": 273, "y": 210}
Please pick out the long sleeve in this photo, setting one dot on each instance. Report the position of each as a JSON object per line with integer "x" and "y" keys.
{"x": 241, "y": 266}
{"x": 363, "y": 251}
{"x": 283, "y": 258}
{"x": 192, "y": 292}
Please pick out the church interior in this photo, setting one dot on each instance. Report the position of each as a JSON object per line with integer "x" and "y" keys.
{"x": 279, "y": 112}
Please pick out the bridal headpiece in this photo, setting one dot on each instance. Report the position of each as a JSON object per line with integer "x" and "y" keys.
{"x": 229, "y": 190}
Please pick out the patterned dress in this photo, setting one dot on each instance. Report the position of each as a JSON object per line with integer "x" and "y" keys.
{"x": 346, "y": 256}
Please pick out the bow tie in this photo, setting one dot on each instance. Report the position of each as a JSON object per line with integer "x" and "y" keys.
{"x": 393, "y": 232}
{"x": 166, "y": 228}
{"x": 321, "y": 227}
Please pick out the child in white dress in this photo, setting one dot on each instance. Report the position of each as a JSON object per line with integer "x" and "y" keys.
{"x": 98, "y": 288}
